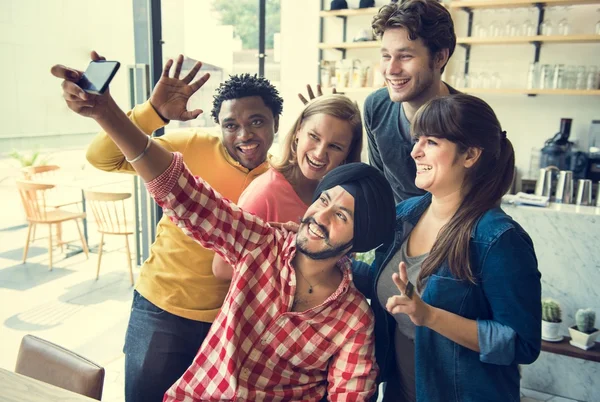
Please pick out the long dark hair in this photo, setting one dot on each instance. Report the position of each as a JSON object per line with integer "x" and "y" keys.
{"x": 468, "y": 122}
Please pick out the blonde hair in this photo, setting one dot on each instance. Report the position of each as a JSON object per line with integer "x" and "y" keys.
{"x": 338, "y": 106}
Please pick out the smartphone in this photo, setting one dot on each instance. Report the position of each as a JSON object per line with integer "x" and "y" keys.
{"x": 97, "y": 76}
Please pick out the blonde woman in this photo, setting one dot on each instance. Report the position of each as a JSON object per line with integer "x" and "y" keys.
{"x": 327, "y": 134}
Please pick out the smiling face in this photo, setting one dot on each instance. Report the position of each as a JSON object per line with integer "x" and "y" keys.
{"x": 441, "y": 169}
{"x": 327, "y": 228}
{"x": 410, "y": 71}
{"x": 323, "y": 144}
{"x": 248, "y": 127}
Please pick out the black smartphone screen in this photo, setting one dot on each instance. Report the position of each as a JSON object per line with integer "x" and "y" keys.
{"x": 98, "y": 75}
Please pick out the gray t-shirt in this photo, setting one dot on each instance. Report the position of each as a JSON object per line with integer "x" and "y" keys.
{"x": 386, "y": 287}
{"x": 403, "y": 389}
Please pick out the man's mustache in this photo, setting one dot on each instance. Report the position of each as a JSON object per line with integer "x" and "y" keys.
{"x": 322, "y": 228}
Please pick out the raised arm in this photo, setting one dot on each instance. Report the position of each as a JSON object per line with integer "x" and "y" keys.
{"x": 188, "y": 201}
{"x": 167, "y": 102}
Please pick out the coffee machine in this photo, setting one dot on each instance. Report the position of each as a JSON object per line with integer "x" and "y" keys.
{"x": 593, "y": 168}
{"x": 558, "y": 151}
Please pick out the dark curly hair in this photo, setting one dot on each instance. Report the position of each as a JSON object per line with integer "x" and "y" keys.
{"x": 243, "y": 85}
{"x": 425, "y": 19}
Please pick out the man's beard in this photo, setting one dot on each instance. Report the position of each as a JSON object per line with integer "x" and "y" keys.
{"x": 332, "y": 251}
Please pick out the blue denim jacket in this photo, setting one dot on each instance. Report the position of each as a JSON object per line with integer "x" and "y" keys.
{"x": 505, "y": 301}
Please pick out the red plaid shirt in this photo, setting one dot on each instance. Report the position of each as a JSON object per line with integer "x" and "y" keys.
{"x": 257, "y": 348}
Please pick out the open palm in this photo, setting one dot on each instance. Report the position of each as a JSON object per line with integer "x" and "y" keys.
{"x": 171, "y": 94}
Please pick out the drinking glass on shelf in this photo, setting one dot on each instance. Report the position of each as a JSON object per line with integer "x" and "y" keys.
{"x": 484, "y": 80}
{"x": 592, "y": 78}
{"x": 494, "y": 29}
{"x": 511, "y": 28}
{"x": 564, "y": 28}
{"x": 545, "y": 80}
{"x": 496, "y": 81}
{"x": 478, "y": 28}
{"x": 547, "y": 27}
{"x": 472, "y": 80}
{"x": 558, "y": 79}
{"x": 529, "y": 28}
{"x": 569, "y": 78}
{"x": 533, "y": 76}
{"x": 597, "y": 30}
{"x": 580, "y": 78}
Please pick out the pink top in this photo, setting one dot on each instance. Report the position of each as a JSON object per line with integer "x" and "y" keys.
{"x": 271, "y": 197}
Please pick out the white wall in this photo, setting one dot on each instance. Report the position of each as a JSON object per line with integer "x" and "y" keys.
{"x": 34, "y": 35}
{"x": 529, "y": 121}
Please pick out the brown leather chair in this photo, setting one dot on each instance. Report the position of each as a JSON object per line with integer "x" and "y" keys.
{"x": 58, "y": 366}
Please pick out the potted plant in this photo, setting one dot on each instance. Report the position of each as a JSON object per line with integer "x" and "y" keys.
{"x": 584, "y": 334}
{"x": 551, "y": 319}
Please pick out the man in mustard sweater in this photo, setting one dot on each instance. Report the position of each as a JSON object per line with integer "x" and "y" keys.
{"x": 177, "y": 296}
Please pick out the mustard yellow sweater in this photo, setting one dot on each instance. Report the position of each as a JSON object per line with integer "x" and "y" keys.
{"x": 177, "y": 276}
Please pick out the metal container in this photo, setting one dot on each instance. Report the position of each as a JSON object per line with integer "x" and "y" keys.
{"x": 564, "y": 187}
{"x": 543, "y": 186}
{"x": 584, "y": 192}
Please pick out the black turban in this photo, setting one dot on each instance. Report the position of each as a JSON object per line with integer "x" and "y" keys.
{"x": 374, "y": 208}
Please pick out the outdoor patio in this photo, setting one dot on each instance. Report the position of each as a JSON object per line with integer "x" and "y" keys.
{"x": 67, "y": 305}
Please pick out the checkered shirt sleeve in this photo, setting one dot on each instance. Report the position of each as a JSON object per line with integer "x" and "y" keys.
{"x": 204, "y": 215}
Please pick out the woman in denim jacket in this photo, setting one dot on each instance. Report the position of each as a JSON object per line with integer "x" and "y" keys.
{"x": 475, "y": 312}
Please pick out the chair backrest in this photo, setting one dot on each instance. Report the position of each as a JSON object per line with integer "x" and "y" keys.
{"x": 39, "y": 172}
{"x": 109, "y": 210}
{"x": 58, "y": 366}
{"x": 33, "y": 197}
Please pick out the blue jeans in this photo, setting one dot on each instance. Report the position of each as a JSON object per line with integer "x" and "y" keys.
{"x": 159, "y": 347}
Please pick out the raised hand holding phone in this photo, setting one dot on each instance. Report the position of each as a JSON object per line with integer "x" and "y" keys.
{"x": 81, "y": 102}
{"x": 171, "y": 93}
{"x": 98, "y": 75}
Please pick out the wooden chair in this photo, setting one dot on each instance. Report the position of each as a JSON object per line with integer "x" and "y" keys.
{"x": 58, "y": 366}
{"x": 37, "y": 212}
{"x": 111, "y": 217}
{"x": 45, "y": 173}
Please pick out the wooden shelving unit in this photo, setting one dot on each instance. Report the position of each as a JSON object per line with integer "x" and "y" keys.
{"x": 350, "y": 45}
{"x": 362, "y": 90}
{"x": 349, "y": 12}
{"x": 524, "y": 91}
{"x": 511, "y": 40}
{"x": 472, "y": 4}
{"x": 498, "y": 91}
{"x": 566, "y": 349}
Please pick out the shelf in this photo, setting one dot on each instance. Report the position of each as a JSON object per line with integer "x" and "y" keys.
{"x": 509, "y": 91}
{"x": 349, "y": 12}
{"x": 471, "y": 4}
{"x": 566, "y": 349}
{"x": 500, "y": 91}
{"x": 509, "y": 40}
{"x": 350, "y": 45}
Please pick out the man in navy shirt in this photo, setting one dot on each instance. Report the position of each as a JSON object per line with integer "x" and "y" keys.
{"x": 417, "y": 39}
